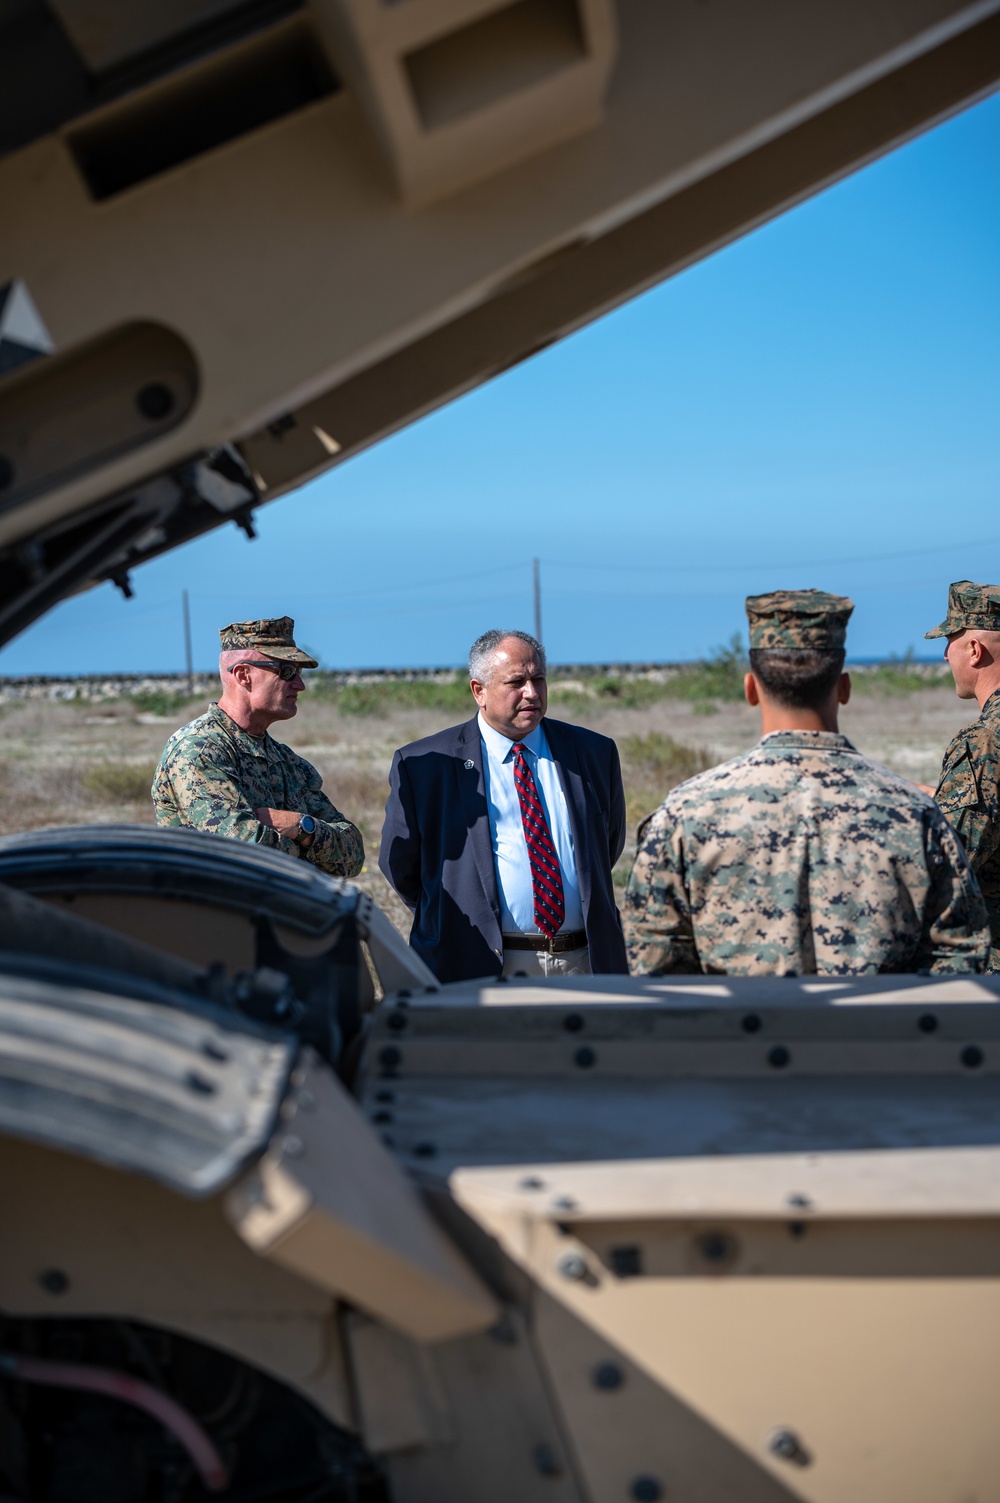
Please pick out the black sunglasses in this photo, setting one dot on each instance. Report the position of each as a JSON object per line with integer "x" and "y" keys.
{"x": 287, "y": 671}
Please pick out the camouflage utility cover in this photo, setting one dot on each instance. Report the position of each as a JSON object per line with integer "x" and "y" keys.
{"x": 969, "y": 794}
{"x": 273, "y": 639}
{"x": 213, "y": 776}
{"x": 798, "y": 619}
{"x": 801, "y": 857}
{"x": 976, "y": 605}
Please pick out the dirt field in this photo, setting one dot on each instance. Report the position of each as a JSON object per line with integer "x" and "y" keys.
{"x": 91, "y": 762}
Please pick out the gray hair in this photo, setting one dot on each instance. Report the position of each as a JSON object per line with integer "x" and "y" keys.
{"x": 483, "y": 648}
{"x": 231, "y": 657}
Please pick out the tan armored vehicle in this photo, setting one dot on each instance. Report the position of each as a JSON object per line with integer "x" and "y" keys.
{"x": 269, "y": 1237}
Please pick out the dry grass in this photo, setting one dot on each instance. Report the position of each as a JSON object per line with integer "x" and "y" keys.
{"x": 67, "y": 763}
{"x": 118, "y": 782}
{"x": 652, "y": 764}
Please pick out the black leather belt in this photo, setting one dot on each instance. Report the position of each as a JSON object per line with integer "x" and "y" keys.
{"x": 559, "y": 944}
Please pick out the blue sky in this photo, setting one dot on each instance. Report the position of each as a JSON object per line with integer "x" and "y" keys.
{"x": 817, "y": 405}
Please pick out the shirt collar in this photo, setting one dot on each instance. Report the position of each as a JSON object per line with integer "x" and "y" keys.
{"x": 255, "y": 745}
{"x": 502, "y": 747}
{"x": 815, "y": 740}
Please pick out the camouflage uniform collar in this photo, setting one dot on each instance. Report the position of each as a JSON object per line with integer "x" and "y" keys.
{"x": 992, "y": 706}
{"x": 813, "y": 740}
{"x": 255, "y": 745}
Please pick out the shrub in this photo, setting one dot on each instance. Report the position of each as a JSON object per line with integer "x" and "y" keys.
{"x": 629, "y": 693}
{"x": 119, "y": 782}
{"x": 451, "y": 696}
{"x": 899, "y": 676}
{"x": 659, "y": 760}
{"x": 158, "y": 701}
{"x": 717, "y": 677}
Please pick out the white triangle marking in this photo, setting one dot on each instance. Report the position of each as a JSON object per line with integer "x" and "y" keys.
{"x": 20, "y": 321}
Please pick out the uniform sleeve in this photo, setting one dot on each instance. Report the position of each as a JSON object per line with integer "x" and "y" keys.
{"x": 204, "y": 794}
{"x": 337, "y": 847}
{"x": 968, "y": 796}
{"x": 956, "y": 935}
{"x": 659, "y": 933}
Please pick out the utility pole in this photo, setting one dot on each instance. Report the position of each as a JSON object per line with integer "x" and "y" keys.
{"x": 536, "y": 576}
{"x": 187, "y": 643}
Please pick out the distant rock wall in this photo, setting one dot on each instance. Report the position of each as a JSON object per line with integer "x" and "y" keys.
{"x": 108, "y": 686}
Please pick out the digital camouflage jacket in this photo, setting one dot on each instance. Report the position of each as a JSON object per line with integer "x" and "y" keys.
{"x": 969, "y": 794}
{"x": 801, "y": 857}
{"x": 213, "y": 776}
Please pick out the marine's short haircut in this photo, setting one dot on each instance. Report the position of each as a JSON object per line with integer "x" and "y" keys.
{"x": 481, "y": 652}
{"x": 230, "y": 656}
{"x": 797, "y": 678}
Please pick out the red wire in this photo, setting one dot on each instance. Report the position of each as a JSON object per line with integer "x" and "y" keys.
{"x": 182, "y": 1425}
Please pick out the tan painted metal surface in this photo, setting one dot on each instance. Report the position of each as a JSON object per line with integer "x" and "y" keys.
{"x": 195, "y": 932}
{"x": 880, "y": 1370}
{"x": 328, "y": 1202}
{"x": 131, "y": 1249}
{"x": 287, "y": 262}
{"x": 953, "y": 1182}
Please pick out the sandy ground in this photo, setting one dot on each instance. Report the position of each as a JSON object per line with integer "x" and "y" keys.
{"x": 73, "y": 763}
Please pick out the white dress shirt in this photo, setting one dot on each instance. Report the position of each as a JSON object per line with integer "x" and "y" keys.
{"x": 510, "y": 851}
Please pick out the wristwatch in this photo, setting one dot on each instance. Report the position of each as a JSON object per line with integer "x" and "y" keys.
{"x": 307, "y": 827}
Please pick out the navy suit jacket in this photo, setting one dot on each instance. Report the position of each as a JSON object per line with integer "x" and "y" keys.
{"x": 438, "y": 854}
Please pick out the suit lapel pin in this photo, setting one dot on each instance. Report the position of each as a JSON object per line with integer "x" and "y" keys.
{"x": 470, "y": 764}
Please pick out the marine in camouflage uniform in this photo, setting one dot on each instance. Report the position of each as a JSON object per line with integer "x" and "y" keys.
{"x": 215, "y": 776}
{"x": 801, "y": 856}
{"x": 969, "y": 787}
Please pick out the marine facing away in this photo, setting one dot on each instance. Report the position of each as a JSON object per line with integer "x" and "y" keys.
{"x": 223, "y": 773}
{"x": 969, "y": 787}
{"x": 801, "y": 856}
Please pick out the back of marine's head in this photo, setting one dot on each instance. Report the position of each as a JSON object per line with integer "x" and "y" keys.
{"x": 797, "y": 644}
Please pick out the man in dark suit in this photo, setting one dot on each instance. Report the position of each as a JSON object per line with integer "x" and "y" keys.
{"x": 500, "y": 834}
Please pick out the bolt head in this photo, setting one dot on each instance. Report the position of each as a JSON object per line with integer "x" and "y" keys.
{"x": 786, "y": 1445}
{"x": 572, "y": 1266}
{"x": 717, "y": 1248}
{"x": 155, "y": 401}
{"x": 546, "y": 1461}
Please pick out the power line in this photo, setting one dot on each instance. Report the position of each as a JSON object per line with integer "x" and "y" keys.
{"x": 421, "y": 584}
{"x": 823, "y": 563}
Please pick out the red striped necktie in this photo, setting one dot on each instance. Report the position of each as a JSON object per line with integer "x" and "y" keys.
{"x": 546, "y": 878}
